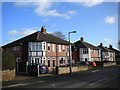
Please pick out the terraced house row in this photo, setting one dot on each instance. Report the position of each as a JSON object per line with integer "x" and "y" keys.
{"x": 44, "y": 48}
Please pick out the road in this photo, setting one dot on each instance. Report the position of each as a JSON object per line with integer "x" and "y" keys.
{"x": 99, "y": 78}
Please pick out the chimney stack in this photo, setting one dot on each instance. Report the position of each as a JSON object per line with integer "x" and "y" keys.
{"x": 82, "y": 39}
{"x": 110, "y": 46}
{"x": 101, "y": 44}
{"x": 43, "y": 30}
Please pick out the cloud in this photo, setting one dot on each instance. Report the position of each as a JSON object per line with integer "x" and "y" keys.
{"x": 107, "y": 40}
{"x": 89, "y": 3}
{"x": 13, "y": 32}
{"x": 43, "y": 9}
{"x": 109, "y": 19}
{"x": 12, "y": 39}
{"x": 23, "y": 3}
{"x": 50, "y": 32}
{"x": 26, "y": 31}
{"x": 45, "y": 20}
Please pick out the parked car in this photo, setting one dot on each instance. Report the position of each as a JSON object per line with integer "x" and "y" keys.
{"x": 92, "y": 63}
{"x": 83, "y": 63}
{"x": 43, "y": 69}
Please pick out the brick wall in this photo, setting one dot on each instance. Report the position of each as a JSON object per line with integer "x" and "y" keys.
{"x": 16, "y": 53}
{"x": 7, "y": 75}
{"x": 109, "y": 64}
{"x": 65, "y": 70}
{"x": 94, "y": 54}
{"x": 52, "y": 54}
{"x": 75, "y": 55}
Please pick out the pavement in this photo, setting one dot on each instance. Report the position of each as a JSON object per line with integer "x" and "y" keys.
{"x": 108, "y": 77}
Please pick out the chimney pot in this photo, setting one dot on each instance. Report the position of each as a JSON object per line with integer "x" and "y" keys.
{"x": 82, "y": 39}
{"x": 110, "y": 46}
{"x": 43, "y": 30}
{"x": 101, "y": 44}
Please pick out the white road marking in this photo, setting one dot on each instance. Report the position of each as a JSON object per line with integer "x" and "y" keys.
{"x": 95, "y": 70}
{"x": 97, "y": 82}
{"x": 23, "y": 84}
{"x": 15, "y": 85}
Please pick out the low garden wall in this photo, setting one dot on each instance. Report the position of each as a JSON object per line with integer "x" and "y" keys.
{"x": 6, "y": 75}
{"x": 109, "y": 64}
{"x": 64, "y": 70}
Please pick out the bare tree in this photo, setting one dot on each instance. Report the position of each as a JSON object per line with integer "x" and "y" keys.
{"x": 59, "y": 34}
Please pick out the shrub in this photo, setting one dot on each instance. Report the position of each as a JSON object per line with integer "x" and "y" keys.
{"x": 0, "y": 58}
{"x": 8, "y": 61}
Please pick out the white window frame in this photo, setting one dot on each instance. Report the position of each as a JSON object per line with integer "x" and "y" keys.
{"x": 34, "y": 53}
{"x": 63, "y": 60}
{"x": 59, "y": 48}
{"x": 49, "y": 60}
{"x": 49, "y": 46}
{"x": 39, "y": 53}
{"x": 53, "y": 47}
{"x": 63, "y": 47}
{"x": 15, "y": 48}
{"x": 35, "y": 46}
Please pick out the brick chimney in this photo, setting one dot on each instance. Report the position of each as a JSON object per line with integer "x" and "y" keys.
{"x": 82, "y": 39}
{"x": 110, "y": 46}
{"x": 43, "y": 30}
{"x": 101, "y": 44}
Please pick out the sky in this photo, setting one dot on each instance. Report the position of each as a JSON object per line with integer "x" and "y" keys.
{"x": 95, "y": 21}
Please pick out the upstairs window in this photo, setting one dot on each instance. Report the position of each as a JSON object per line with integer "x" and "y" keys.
{"x": 67, "y": 48}
{"x": 48, "y": 46}
{"x": 59, "y": 48}
{"x": 63, "y": 47}
{"x": 53, "y": 47}
{"x": 85, "y": 51}
{"x": 43, "y": 47}
{"x": 16, "y": 48}
{"x": 35, "y": 46}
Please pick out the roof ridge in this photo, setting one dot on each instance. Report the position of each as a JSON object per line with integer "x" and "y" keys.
{"x": 58, "y": 37}
{"x": 19, "y": 39}
{"x": 80, "y": 42}
{"x": 114, "y": 49}
{"x": 37, "y": 35}
{"x": 84, "y": 44}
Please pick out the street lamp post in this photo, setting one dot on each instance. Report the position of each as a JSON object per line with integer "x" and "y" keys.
{"x": 69, "y": 50}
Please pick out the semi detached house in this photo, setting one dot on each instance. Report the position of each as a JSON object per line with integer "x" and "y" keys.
{"x": 39, "y": 47}
{"x": 83, "y": 51}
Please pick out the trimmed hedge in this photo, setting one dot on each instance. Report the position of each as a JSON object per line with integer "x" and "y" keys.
{"x": 8, "y": 61}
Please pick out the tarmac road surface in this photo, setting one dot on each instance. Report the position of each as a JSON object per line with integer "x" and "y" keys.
{"x": 108, "y": 77}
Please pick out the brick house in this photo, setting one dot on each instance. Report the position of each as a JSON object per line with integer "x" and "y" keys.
{"x": 39, "y": 47}
{"x": 107, "y": 54}
{"x": 117, "y": 53}
{"x": 83, "y": 51}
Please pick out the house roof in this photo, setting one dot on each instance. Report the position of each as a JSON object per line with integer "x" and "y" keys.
{"x": 38, "y": 36}
{"x": 106, "y": 49}
{"x": 83, "y": 44}
{"x": 114, "y": 50}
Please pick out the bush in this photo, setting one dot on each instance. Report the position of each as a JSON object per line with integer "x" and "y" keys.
{"x": 76, "y": 64}
{"x": 0, "y": 58}
{"x": 8, "y": 61}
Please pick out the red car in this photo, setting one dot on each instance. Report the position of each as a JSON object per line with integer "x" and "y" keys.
{"x": 91, "y": 63}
